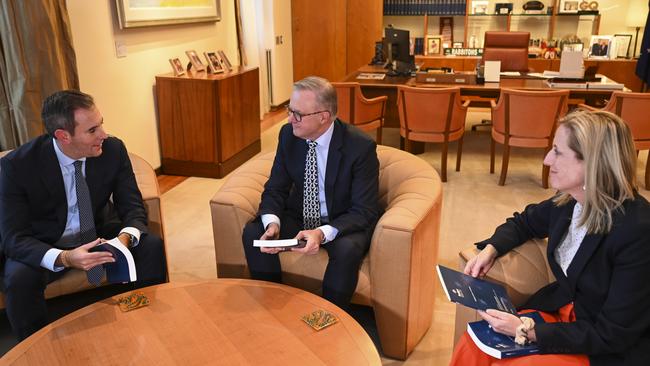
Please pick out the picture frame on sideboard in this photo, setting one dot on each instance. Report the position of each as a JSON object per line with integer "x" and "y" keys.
{"x": 214, "y": 66}
{"x": 433, "y": 45}
{"x": 600, "y": 47}
{"x": 177, "y": 66}
{"x": 224, "y": 60}
{"x": 622, "y": 44}
{"x": 195, "y": 60}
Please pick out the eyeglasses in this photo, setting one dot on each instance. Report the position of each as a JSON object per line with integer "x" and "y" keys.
{"x": 298, "y": 116}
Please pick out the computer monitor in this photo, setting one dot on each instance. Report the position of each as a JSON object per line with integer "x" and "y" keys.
{"x": 397, "y": 47}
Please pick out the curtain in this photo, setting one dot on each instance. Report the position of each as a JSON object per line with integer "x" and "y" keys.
{"x": 36, "y": 59}
{"x": 243, "y": 60}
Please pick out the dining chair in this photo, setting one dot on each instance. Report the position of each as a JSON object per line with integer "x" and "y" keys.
{"x": 511, "y": 48}
{"x": 633, "y": 109}
{"x": 432, "y": 115}
{"x": 355, "y": 109}
{"x": 525, "y": 119}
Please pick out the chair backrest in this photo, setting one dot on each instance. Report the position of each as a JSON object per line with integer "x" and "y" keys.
{"x": 529, "y": 114}
{"x": 430, "y": 110}
{"x": 345, "y": 95}
{"x": 511, "y": 48}
{"x": 633, "y": 109}
{"x": 354, "y": 107}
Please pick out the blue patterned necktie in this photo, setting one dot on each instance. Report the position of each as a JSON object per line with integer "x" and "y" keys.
{"x": 310, "y": 201}
{"x": 86, "y": 221}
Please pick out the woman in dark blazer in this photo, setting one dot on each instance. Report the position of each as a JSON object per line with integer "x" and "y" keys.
{"x": 598, "y": 229}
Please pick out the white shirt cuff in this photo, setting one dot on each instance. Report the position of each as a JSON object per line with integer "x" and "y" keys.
{"x": 133, "y": 231}
{"x": 330, "y": 233}
{"x": 50, "y": 258}
{"x": 269, "y": 219}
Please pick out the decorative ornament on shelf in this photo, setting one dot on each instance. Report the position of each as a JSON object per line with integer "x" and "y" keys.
{"x": 533, "y": 7}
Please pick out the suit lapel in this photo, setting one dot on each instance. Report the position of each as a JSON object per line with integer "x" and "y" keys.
{"x": 555, "y": 239}
{"x": 93, "y": 180}
{"x": 52, "y": 178}
{"x": 333, "y": 161}
{"x": 587, "y": 248}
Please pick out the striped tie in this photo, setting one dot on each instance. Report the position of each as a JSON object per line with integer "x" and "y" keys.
{"x": 86, "y": 222}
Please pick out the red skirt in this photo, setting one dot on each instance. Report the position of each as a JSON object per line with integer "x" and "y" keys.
{"x": 467, "y": 353}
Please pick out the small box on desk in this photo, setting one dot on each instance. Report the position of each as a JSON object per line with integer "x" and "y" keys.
{"x": 465, "y": 78}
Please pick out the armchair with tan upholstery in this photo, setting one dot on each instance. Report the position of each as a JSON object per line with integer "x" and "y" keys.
{"x": 523, "y": 271}
{"x": 76, "y": 280}
{"x": 397, "y": 276}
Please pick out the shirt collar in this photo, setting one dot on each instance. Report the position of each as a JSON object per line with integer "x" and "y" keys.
{"x": 325, "y": 138}
{"x": 64, "y": 160}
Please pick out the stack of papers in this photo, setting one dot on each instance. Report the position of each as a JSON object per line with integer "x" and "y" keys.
{"x": 371, "y": 76}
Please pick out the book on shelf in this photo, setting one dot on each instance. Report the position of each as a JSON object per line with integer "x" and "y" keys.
{"x": 474, "y": 292}
{"x": 500, "y": 345}
{"x": 123, "y": 269}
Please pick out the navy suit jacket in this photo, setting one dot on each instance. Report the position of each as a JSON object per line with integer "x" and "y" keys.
{"x": 33, "y": 205}
{"x": 607, "y": 282}
{"x": 351, "y": 179}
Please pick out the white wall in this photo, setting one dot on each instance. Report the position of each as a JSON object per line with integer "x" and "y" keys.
{"x": 124, "y": 88}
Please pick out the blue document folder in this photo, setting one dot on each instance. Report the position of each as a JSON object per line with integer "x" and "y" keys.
{"x": 500, "y": 345}
{"x": 473, "y": 292}
{"x": 123, "y": 269}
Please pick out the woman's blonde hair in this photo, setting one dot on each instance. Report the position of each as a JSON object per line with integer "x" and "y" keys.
{"x": 604, "y": 143}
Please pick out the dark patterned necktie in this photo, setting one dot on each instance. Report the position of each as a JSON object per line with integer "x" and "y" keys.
{"x": 86, "y": 222}
{"x": 310, "y": 201}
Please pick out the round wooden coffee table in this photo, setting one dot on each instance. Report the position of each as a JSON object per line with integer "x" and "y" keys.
{"x": 221, "y": 321}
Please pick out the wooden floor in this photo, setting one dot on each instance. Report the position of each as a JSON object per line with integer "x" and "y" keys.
{"x": 167, "y": 182}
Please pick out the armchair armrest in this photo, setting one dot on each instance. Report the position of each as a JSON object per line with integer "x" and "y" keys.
{"x": 234, "y": 205}
{"x": 587, "y": 107}
{"x": 523, "y": 271}
{"x": 147, "y": 182}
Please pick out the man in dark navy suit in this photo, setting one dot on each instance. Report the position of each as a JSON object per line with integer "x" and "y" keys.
{"x": 323, "y": 189}
{"x": 48, "y": 223}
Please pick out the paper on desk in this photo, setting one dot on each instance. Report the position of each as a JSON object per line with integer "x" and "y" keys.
{"x": 540, "y": 75}
{"x": 510, "y": 73}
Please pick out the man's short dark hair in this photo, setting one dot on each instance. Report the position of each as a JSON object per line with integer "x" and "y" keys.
{"x": 58, "y": 109}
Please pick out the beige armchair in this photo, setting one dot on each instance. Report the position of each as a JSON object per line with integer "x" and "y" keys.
{"x": 523, "y": 271}
{"x": 397, "y": 276}
{"x": 75, "y": 280}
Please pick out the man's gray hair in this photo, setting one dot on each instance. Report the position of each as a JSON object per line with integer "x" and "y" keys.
{"x": 324, "y": 91}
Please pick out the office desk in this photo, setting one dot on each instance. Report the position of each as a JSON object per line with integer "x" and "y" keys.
{"x": 484, "y": 92}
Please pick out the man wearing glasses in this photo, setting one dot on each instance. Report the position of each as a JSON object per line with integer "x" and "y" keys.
{"x": 323, "y": 189}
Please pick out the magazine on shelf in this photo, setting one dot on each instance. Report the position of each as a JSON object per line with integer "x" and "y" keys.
{"x": 123, "y": 269}
{"x": 500, "y": 345}
{"x": 474, "y": 292}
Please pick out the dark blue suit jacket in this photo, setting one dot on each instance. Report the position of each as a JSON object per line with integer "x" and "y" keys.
{"x": 607, "y": 281}
{"x": 351, "y": 179}
{"x": 33, "y": 205}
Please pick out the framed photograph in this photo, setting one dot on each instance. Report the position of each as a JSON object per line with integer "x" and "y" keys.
{"x": 214, "y": 66}
{"x": 600, "y": 46}
{"x": 433, "y": 45}
{"x": 224, "y": 60}
{"x": 569, "y": 6}
{"x": 195, "y": 60}
{"x": 622, "y": 44}
{"x": 479, "y": 6}
{"x": 177, "y": 66}
{"x": 457, "y": 45}
{"x": 144, "y": 13}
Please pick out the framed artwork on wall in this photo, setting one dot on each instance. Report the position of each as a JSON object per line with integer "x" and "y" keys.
{"x": 144, "y": 13}
{"x": 433, "y": 45}
{"x": 195, "y": 60}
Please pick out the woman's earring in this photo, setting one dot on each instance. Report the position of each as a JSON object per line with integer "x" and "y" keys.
{"x": 584, "y": 187}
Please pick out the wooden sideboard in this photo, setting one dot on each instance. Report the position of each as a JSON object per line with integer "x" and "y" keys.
{"x": 208, "y": 124}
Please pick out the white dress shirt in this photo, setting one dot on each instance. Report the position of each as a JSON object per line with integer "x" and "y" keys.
{"x": 72, "y": 221}
{"x": 322, "y": 151}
